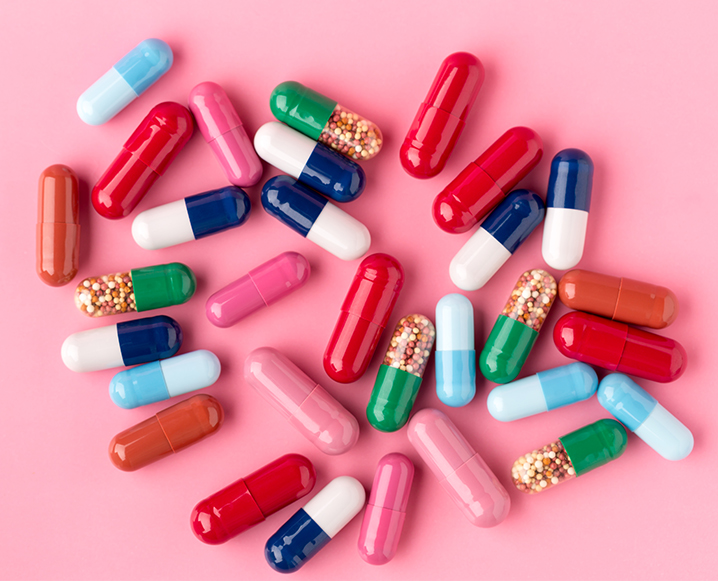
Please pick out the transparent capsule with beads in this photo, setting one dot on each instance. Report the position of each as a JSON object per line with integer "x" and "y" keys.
{"x": 325, "y": 120}
{"x": 138, "y": 290}
{"x": 569, "y": 456}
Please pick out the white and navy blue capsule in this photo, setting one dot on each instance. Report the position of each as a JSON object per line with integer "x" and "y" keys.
{"x": 313, "y": 526}
{"x": 123, "y": 344}
{"x": 314, "y": 164}
{"x": 455, "y": 355}
{"x": 545, "y": 391}
{"x": 639, "y": 411}
{"x": 315, "y": 218}
{"x": 131, "y": 76}
{"x": 192, "y": 218}
{"x": 568, "y": 201}
{"x": 500, "y": 235}
{"x": 161, "y": 380}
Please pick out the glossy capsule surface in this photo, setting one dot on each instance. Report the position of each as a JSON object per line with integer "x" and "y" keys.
{"x": 455, "y": 356}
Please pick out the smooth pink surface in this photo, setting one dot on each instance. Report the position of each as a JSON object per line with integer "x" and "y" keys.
{"x": 631, "y": 83}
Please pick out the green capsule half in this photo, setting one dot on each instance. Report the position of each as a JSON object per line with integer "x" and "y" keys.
{"x": 301, "y": 108}
{"x": 595, "y": 445}
{"x": 163, "y": 285}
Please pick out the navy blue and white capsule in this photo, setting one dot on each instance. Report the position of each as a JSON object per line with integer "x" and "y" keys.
{"x": 123, "y": 344}
{"x": 313, "y": 526}
{"x": 315, "y": 218}
{"x": 312, "y": 163}
{"x": 639, "y": 411}
{"x": 568, "y": 201}
{"x": 455, "y": 356}
{"x": 161, "y": 380}
{"x": 192, "y": 218}
{"x": 131, "y": 76}
{"x": 500, "y": 235}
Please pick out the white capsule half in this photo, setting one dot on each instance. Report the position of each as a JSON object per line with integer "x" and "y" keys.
{"x": 338, "y": 233}
{"x": 336, "y": 504}
{"x": 163, "y": 226}
{"x": 283, "y": 147}
{"x": 564, "y": 236}
{"x": 477, "y": 261}
{"x": 92, "y": 350}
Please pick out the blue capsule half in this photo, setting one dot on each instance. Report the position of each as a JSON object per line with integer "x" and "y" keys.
{"x": 571, "y": 180}
{"x": 513, "y": 220}
{"x": 299, "y": 539}
{"x": 148, "y": 339}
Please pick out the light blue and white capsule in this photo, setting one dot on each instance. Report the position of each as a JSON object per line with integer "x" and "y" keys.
{"x": 455, "y": 355}
{"x": 545, "y": 391}
{"x": 131, "y": 76}
{"x": 639, "y": 411}
{"x": 161, "y": 380}
{"x": 313, "y": 526}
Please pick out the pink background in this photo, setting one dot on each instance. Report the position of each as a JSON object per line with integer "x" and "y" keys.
{"x": 634, "y": 84}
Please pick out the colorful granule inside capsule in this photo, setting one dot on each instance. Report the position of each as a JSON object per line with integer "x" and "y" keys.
{"x": 411, "y": 345}
{"x": 532, "y": 298}
{"x": 106, "y": 295}
{"x": 542, "y": 469}
{"x": 350, "y": 134}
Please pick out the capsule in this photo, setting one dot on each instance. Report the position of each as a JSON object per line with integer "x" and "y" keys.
{"x": 618, "y": 347}
{"x": 386, "y": 510}
{"x": 485, "y": 182}
{"x": 171, "y": 430}
{"x": 192, "y": 218}
{"x": 644, "y": 416}
{"x": 455, "y": 356}
{"x": 222, "y": 129}
{"x": 318, "y": 220}
{"x": 568, "y": 201}
{"x": 518, "y": 326}
{"x": 58, "y": 226}
{"x": 442, "y": 116}
{"x": 619, "y": 299}
{"x": 325, "y": 120}
{"x": 140, "y": 289}
{"x": 260, "y": 287}
{"x": 161, "y": 380}
{"x": 131, "y": 76}
{"x": 362, "y": 317}
{"x": 302, "y": 401}
{"x": 312, "y": 163}
{"x": 545, "y": 391}
{"x": 570, "y": 456}
{"x": 506, "y": 228}
{"x": 123, "y": 344}
{"x": 399, "y": 377}
{"x": 312, "y": 527}
{"x": 462, "y": 473}
{"x": 145, "y": 156}
{"x": 249, "y": 500}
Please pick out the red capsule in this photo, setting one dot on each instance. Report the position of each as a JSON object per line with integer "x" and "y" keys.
{"x": 364, "y": 314}
{"x": 486, "y": 181}
{"x": 145, "y": 156}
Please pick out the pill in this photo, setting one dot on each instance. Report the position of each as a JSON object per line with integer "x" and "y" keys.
{"x": 545, "y": 391}
{"x": 131, "y": 76}
{"x": 386, "y": 510}
{"x": 222, "y": 129}
{"x": 192, "y": 218}
{"x": 568, "y": 201}
{"x": 485, "y": 182}
{"x": 462, "y": 473}
{"x": 312, "y": 527}
{"x": 161, "y": 380}
{"x": 570, "y": 456}
{"x": 399, "y": 377}
{"x": 123, "y": 344}
{"x": 501, "y": 234}
{"x": 325, "y": 120}
{"x": 455, "y": 358}
{"x": 250, "y": 500}
{"x": 315, "y": 165}
{"x": 260, "y": 287}
{"x": 441, "y": 118}
{"x": 138, "y": 290}
{"x": 618, "y": 347}
{"x": 171, "y": 430}
{"x": 517, "y": 327}
{"x": 58, "y": 226}
{"x": 145, "y": 156}
{"x": 363, "y": 316}
{"x": 302, "y": 401}
{"x": 620, "y": 299}
{"x": 644, "y": 416}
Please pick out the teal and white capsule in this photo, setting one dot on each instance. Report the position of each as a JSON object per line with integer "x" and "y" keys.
{"x": 639, "y": 411}
{"x": 545, "y": 391}
{"x": 455, "y": 355}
